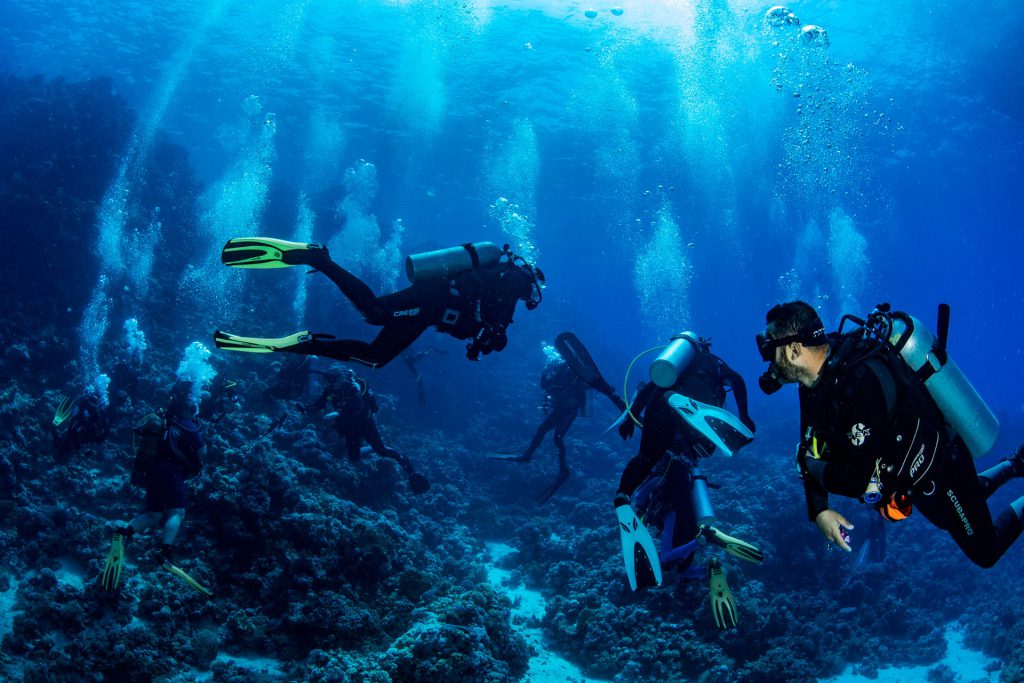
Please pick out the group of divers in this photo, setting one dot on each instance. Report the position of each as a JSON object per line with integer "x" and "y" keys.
{"x": 886, "y": 417}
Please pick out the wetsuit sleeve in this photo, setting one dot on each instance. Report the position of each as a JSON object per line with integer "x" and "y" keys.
{"x": 814, "y": 493}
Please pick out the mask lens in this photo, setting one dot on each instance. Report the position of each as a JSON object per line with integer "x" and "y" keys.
{"x": 766, "y": 347}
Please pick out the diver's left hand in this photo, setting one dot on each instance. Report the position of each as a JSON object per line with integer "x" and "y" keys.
{"x": 832, "y": 524}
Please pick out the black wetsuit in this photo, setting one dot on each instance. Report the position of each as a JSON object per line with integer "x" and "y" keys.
{"x": 705, "y": 380}
{"x": 87, "y": 423}
{"x": 355, "y": 422}
{"x": 476, "y": 304}
{"x": 860, "y": 413}
{"x": 177, "y": 459}
{"x": 565, "y": 397}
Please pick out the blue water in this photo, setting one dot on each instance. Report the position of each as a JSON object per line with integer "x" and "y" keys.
{"x": 678, "y": 165}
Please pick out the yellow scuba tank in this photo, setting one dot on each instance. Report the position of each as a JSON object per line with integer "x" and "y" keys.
{"x": 673, "y": 361}
{"x": 447, "y": 262}
{"x": 961, "y": 405}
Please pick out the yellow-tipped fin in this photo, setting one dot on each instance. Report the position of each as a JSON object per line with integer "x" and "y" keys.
{"x": 232, "y": 342}
{"x": 115, "y": 563}
{"x": 63, "y": 411}
{"x": 262, "y": 252}
{"x": 180, "y": 573}
{"x": 723, "y": 606}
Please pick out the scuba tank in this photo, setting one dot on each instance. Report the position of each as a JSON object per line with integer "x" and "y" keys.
{"x": 444, "y": 263}
{"x": 667, "y": 368}
{"x": 959, "y": 401}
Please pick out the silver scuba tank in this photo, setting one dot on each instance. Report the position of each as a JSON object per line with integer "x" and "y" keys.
{"x": 960, "y": 403}
{"x": 673, "y": 361}
{"x": 702, "y": 510}
{"x": 444, "y": 263}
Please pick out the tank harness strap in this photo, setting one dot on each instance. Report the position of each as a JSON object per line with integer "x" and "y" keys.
{"x": 474, "y": 257}
{"x": 887, "y": 381}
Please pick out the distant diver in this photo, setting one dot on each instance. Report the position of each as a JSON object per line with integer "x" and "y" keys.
{"x": 412, "y": 361}
{"x": 354, "y": 407}
{"x": 168, "y": 451}
{"x": 683, "y": 421}
{"x": 889, "y": 419}
{"x": 565, "y": 381}
{"x": 468, "y": 292}
{"x": 80, "y": 421}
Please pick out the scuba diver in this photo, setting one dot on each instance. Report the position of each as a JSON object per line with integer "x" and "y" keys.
{"x": 292, "y": 379}
{"x": 79, "y": 421}
{"x": 888, "y": 418}
{"x": 411, "y": 362}
{"x": 568, "y": 375}
{"x": 468, "y": 292}
{"x": 354, "y": 408}
{"x": 168, "y": 451}
{"x": 683, "y": 420}
{"x": 220, "y": 399}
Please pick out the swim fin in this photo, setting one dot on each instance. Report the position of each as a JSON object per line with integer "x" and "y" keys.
{"x": 63, "y": 412}
{"x": 418, "y": 483}
{"x": 643, "y": 568}
{"x": 733, "y": 546}
{"x": 723, "y": 606}
{"x": 579, "y": 360}
{"x": 115, "y": 563}
{"x": 232, "y": 342}
{"x": 717, "y": 425}
{"x": 268, "y": 252}
{"x": 180, "y": 573}
{"x": 549, "y": 490}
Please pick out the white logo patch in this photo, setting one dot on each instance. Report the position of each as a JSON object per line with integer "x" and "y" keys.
{"x": 858, "y": 434}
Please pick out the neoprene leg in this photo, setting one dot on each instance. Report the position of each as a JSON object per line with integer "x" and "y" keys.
{"x": 372, "y": 436}
{"x": 354, "y": 289}
{"x": 394, "y": 338}
{"x": 549, "y": 423}
{"x": 995, "y": 476}
{"x": 564, "y": 423}
{"x": 172, "y": 525}
{"x": 959, "y": 506}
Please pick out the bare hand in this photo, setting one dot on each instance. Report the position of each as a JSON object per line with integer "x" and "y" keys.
{"x": 830, "y": 522}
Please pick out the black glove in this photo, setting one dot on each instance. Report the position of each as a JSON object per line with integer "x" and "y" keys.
{"x": 627, "y": 428}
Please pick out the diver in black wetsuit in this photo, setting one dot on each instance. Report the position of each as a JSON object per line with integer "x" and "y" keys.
{"x": 169, "y": 451}
{"x": 475, "y": 302}
{"x": 354, "y": 409}
{"x": 80, "y": 421}
{"x": 683, "y": 421}
{"x": 565, "y": 396}
{"x": 871, "y": 431}
{"x": 412, "y": 361}
{"x": 707, "y": 380}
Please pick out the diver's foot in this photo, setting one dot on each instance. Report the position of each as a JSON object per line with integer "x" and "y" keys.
{"x": 166, "y": 553}
{"x": 314, "y": 255}
{"x": 733, "y": 546}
